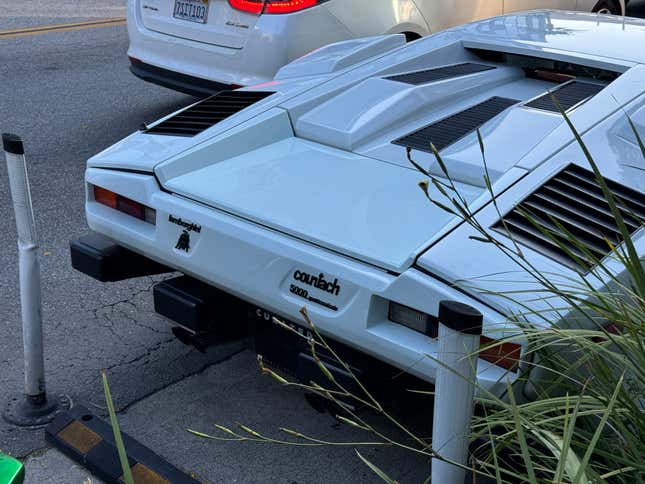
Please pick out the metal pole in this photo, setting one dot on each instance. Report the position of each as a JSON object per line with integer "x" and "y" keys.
{"x": 460, "y": 329}
{"x": 34, "y": 408}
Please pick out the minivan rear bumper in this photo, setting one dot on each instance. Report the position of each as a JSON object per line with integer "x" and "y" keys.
{"x": 195, "y": 86}
{"x": 273, "y": 42}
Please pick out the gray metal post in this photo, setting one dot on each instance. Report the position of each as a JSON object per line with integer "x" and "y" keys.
{"x": 460, "y": 329}
{"x": 34, "y": 408}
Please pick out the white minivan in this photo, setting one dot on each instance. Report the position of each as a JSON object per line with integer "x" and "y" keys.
{"x": 203, "y": 46}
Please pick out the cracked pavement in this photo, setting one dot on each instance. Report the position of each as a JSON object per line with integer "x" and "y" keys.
{"x": 70, "y": 95}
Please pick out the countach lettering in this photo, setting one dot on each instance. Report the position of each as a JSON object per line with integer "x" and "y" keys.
{"x": 318, "y": 282}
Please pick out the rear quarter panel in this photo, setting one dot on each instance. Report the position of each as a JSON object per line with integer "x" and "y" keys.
{"x": 365, "y": 18}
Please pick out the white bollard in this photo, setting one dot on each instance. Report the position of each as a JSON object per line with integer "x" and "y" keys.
{"x": 34, "y": 408}
{"x": 460, "y": 329}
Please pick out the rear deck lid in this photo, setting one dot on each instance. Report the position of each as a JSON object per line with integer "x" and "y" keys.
{"x": 208, "y": 21}
{"x": 364, "y": 208}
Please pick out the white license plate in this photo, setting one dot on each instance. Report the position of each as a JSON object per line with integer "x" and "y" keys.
{"x": 191, "y": 10}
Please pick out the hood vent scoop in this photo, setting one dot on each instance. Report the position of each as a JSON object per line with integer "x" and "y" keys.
{"x": 440, "y": 73}
{"x": 445, "y": 132}
{"x": 568, "y": 95}
{"x": 207, "y": 113}
{"x": 572, "y": 201}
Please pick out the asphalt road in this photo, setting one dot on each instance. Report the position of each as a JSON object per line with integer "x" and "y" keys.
{"x": 69, "y": 95}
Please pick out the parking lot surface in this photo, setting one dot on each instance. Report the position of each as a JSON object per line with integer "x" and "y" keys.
{"x": 69, "y": 95}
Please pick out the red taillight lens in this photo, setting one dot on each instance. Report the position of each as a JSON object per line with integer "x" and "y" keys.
{"x": 251, "y": 6}
{"x": 124, "y": 205}
{"x": 106, "y": 197}
{"x": 504, "y": 355}
{"x": 131, "y": 207}
{"x": 272, "y": 6}
{"x": 288, "y": 6}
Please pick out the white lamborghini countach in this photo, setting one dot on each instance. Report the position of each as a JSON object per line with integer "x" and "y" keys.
{"x": 299, "y": 192}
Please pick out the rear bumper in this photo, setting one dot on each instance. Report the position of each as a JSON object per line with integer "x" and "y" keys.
{"x": 273, "y": 42}
{"x": 261, "y": 266}
{"x": 179, "y": 82}
{"x": 105, "y": 261}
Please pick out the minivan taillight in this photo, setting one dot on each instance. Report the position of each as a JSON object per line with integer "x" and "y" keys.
{"x": 272, "y": 6}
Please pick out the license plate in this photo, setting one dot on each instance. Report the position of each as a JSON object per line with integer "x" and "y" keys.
{"x": 191, "y": 10}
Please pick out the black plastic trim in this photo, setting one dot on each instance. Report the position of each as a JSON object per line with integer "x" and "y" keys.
{"x": 207, "y": 113}
{"x": 448, "y": 130}
{"x": 195, "y": 86}
{"x": 104, "y": 260}
{"x": 440, "y": 73}
{"x": 12, "y": 143}
{"x": 461, "y": 317}
{"x": 568, "y": 96}
{"x": 572, "y": 203}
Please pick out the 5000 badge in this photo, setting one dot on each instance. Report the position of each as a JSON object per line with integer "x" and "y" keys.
{"x": 318, "y": 282}
{"x": 299, "y": 291}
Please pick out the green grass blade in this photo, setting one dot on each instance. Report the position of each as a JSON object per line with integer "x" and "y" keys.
{"x": 382, "y": 475}
{"x": 566, "y": 457}
{"x": 123, "y": 457}
{"x": 519, "y": 428}
{"x": 601, "y": 426}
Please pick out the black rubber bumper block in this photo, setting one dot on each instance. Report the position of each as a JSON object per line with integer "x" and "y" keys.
{"x": 89, "y": 440}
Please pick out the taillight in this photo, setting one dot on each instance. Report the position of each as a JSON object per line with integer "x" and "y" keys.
{"x": 124, "y": 205}
{"x": 505, "y": 355}
{"x": 272, "y": 6}
{"x": 413, "y": 319}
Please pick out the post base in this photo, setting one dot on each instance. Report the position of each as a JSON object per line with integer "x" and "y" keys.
{"x": 26, "y": 411}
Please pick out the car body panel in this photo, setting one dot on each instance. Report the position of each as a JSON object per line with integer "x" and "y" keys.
{"x": 458, "y": 12}
{"x": 224, "y": 25}
{"x": 348, "y": 203}
{"x": 511, "y": 6}
{"x": 258, "y": 265}
{"x": 340, "y": 55}
{"x": 308, "y": 179}
{"x": 365, "y": 18}
{"x": 559, "y": 32}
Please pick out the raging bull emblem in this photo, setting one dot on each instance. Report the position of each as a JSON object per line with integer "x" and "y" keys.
{"x": 184, "y": 241}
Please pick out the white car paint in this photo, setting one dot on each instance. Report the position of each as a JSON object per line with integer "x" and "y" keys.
{"x": 240, "y": 48}
{"x": 308, "y": 179}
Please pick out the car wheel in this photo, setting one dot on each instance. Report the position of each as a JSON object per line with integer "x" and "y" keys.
{"x": 608, "y": 7}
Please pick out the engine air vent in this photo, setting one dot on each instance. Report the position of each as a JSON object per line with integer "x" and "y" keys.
{"x": 207, "y": 113}
{"x": 572, "y": 201}
{"x": 568, "y": 95}
{"x": 445, "y": 132}
{"x": 440, "y": 73}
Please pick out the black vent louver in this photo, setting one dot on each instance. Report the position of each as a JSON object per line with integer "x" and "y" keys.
{"x": 568, "y": 95}
{"x": 207, "y": 113}
{"x": 440, "y": 73}
{"x": 573, "y": 202}
{"x": 445, "y": 132}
